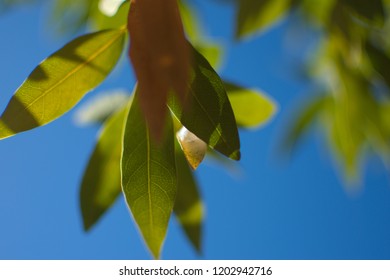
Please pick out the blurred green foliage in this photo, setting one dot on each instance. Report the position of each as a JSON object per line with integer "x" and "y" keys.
{"x": 351, "y": 71}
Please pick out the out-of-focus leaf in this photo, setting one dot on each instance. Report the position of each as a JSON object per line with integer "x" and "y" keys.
{"x": 68, "y": 16}
{"x": 251, "y": 107}
{"x": 190, "y": 20}
{"x": 109, "y": 7}
{"x": 305, "y": 118}
{"x": 208, "y": 113}
{"x": 196, "y": 35}
{"x": 102, "y": 179}
{"x": 149, "y": 179}
{"x": 194, "y": 149}
{"x": 385, "y": 117}
{"x": 188, "y": 208}
{"x": 61, "y": 80}
{"x": 350, "y": 130}
{"x": 347, "y": 141}
{"x": 256, "y": 15}
{"x": 101, "y": 107}
{"x": 371, "y": 11}
{"x": 160, "y": 56}
{"x": 380, "y": 61}
{"x": 318, "y": 11}
{"x": 119, "y": 19}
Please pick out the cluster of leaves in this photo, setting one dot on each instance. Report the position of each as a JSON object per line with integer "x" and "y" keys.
{"x": 136, "y": 154}
{"x": 351, "y": 70}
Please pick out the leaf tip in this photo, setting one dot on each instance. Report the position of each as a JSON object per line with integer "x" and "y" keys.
{"x": 236, "y": 155}
{"x": 87, "y": 227}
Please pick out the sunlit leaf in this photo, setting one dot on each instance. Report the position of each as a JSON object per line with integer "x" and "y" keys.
{"x": 109, "y": 7}
{"x": 256, "y": 15}
{"x": 193, "y": 148}
{"x": 101, "y": 181}
{"x": 251, "y": 107}
{"x": 118, "y": 19}
{"x": 188, "y": 208}
{"x": 148, "y": 176}
{"x": 350, "y": 130}
{"x": 347, "y": 141}
{"x": 208, "y": 113}
{"x": 160, "y": 56}
{"x": 61, "y": 80}
{"x": 190, "y": 20}
{"x": 101, "y": 107}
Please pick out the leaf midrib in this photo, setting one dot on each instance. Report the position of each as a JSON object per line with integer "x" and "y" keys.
{"x": 148, "y": 161}
{"x": 76, "y": 69}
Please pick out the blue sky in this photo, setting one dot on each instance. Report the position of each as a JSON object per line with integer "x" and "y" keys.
{"x": 268, "y": 209}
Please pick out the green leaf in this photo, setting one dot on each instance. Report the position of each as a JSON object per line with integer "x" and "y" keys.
{"x": 256, "y": 15}
{"x": 318, "y": 11}
{"x": 251, "y": 107}
{"x": 371, "y": 11}
{"x": 189, "y": 208}
{"x": 102, "y": 183}
{"x": 189, "y": 19}
{"x": 212, "y": 51}
{"x": 68, "y": 16}
{"x": 102, "y": 21}
{"x": 380, "y": 62}
{"x": 61, "y": 80}
{"x": 148, "y": 176}
{"x": 305, "y": 118}
{"x": 102, "y": 179}
{"x": 101, "y": 107}
{"x": 208, "y": 113}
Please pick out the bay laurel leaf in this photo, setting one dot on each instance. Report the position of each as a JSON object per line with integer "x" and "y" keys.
{"x": 61, "y": 80}
{"x": 149, "y": 180}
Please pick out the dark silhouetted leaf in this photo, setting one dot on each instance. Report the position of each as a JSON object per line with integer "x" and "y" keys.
{"x": 380, "y": 61}
{"x": 160, "y": 56}
{"x": 372, "y": 11}
{"x": 102, "y": 179}
{"x": 61, "y": 80}
{"x": 208, "y": 113}
{"x": 148, "y": 176}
